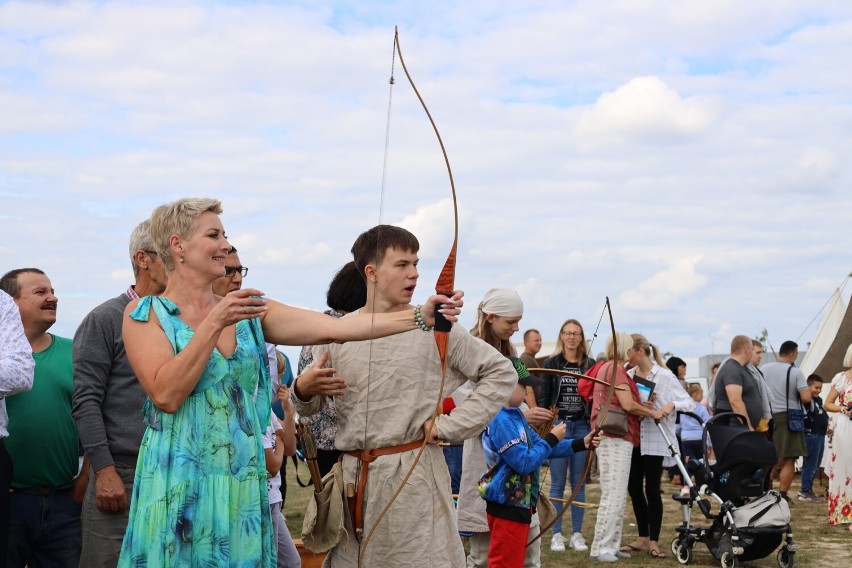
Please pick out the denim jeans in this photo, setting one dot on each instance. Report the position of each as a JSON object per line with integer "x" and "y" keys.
{"x": 453, "y": 457}
{"x": 815, "y": 443}
{"x": 559, "y": 467}
{"x": 44, "y": 531}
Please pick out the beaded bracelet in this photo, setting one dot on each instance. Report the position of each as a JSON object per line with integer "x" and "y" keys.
{"x": 418, "y": 319}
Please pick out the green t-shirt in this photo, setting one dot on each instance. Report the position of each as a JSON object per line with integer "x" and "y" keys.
{"x": 42, "y": 438}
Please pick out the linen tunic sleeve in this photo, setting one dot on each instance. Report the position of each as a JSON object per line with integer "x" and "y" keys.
{"x": 494, "y": 376}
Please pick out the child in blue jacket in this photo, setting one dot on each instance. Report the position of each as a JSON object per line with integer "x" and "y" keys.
{"x": 514, "y": 453}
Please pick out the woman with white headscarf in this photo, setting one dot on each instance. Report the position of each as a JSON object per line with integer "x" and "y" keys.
{"x": 497, "y": 320}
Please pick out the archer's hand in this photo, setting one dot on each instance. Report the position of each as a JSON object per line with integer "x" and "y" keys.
{"x": 317, "y": 381}
{"x": 430, "y": 430}
{"x": 449, "y": 306}
{"x": 110, "y": 494}
{"x": 538, "y": 415}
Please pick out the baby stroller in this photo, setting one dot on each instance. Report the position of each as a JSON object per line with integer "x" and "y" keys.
{"x": 733, "y": 471}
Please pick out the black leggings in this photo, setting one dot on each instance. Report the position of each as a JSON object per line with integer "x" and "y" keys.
{"x": 647, "y": 501}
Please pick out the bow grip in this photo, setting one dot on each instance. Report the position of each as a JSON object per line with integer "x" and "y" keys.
{"x": 442, "y": 323}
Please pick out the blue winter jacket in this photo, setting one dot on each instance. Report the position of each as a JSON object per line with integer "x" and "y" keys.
{"x": 514, "y": 453}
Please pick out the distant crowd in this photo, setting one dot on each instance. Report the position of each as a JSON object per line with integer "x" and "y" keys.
{"x": 156, "y": 435}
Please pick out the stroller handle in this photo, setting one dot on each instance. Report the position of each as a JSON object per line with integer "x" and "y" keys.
{"x": 691, "y": 415}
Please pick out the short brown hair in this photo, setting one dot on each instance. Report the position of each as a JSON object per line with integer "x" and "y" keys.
{"x": 371, "y": 245}
{"x": 9, "y": 282}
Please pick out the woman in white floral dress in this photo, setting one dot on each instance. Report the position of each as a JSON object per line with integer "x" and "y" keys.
{"x": 840, "y": 463}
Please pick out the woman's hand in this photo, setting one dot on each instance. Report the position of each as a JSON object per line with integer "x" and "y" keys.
{"x": 450, "y": 307}
{"x": 538, "y": 415}
{"x": 237, "y": 306}
{"x": 667, "y": 409}
{"x": 317, "y": 381}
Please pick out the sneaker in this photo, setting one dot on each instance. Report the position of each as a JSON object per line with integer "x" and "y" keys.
{"x": 619, "y": 554}
{"x": 557, "y": 543}
{"x": 606, "y": 557}
{"x": 790, "y": 502}
{"x": 805, "y": 497}
{"x": 577, "y": 542}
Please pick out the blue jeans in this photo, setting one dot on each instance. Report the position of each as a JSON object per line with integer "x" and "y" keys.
{"x": 815, "y": 443}
{"x": 453, "y": 457}
{"x": 44, "y": 530}
{"x": 559, "y": 468}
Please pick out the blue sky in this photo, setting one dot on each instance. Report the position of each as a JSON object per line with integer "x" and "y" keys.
{"x": 688, "y": 159}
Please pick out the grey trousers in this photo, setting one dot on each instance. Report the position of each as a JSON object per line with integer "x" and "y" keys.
{"x": 104, "y": 532}
{"x": 288, "y": 556}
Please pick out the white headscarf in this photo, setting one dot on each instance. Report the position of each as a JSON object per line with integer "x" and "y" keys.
{"x": 504, "y": 302}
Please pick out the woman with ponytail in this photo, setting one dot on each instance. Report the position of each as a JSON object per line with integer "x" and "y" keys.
{"x": 496, "y": 321}
{"x": 646, "y": 465}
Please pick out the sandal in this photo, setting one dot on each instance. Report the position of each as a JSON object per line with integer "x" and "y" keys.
{"x": 628, "y": 548}
{"x": 656, "y": 553}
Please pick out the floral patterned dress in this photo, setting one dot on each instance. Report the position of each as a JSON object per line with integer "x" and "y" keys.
{"x": 200, "y": 496}
{"x": 840, "y": 462}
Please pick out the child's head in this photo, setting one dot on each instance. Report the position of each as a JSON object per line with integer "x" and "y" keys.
{"x": 525, "y": 379}
{"x": 815, "y": 384}
{"x": 695, "y": 391}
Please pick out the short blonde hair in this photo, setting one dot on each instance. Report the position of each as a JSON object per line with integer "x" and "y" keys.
{"x": 625, "y": 343}
{"x": 178, "y": 218}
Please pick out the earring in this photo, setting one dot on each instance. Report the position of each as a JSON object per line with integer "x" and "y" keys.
{"x": 180, "y": 259}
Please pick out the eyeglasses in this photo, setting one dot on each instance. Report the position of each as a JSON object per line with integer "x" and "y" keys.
{"x": 231, "y": 270}
{"x": 572, "y": 333}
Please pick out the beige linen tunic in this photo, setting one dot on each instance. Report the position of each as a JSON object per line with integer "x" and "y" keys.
{"x": 391, "y": 390}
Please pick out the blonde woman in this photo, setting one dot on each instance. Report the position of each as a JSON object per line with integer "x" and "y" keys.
{"x": 200, "y": 494}
{"x": 614, "y": 452}
{"x": 646, "y": 464}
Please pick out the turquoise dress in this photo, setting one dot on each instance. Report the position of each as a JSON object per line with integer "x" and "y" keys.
{"x": 199, "y": 496}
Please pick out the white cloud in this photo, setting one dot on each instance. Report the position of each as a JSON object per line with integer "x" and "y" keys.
{"x": 644, "y": 110}
{"x": 592, "y": 144}
{"x": 678, "y": 281}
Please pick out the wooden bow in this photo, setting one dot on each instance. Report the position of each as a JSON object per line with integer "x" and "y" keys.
{"x": 611, "y": 388}
{"x": 445, "y": 285}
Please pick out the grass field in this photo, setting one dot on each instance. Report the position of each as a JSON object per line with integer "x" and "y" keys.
{"x": 819, "y": 544}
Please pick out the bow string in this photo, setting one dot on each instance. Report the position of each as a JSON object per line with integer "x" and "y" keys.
{"x": 445, "y": 285}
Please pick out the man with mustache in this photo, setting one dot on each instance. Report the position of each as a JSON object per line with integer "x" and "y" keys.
{"x": 42, "y": 438}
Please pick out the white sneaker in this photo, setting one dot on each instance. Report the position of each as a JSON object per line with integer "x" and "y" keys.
{"x": 578, "y": 543}
{"x": 557, "y": 543}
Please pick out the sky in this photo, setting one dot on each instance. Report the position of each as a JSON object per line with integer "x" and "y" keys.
{"x": 689, "y": 160}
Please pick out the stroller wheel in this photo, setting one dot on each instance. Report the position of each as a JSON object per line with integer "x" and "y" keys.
{"x": 786, "y": 557}
{"x": 676, "y": 543}
{"x": 684, "y": 554}
{"x": 729, "y": 559}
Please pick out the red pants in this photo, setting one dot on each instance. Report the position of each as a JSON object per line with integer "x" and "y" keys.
{"x": 508, "y": 542}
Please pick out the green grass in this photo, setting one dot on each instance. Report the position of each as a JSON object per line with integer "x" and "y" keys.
{"x": 818, "y": 543}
